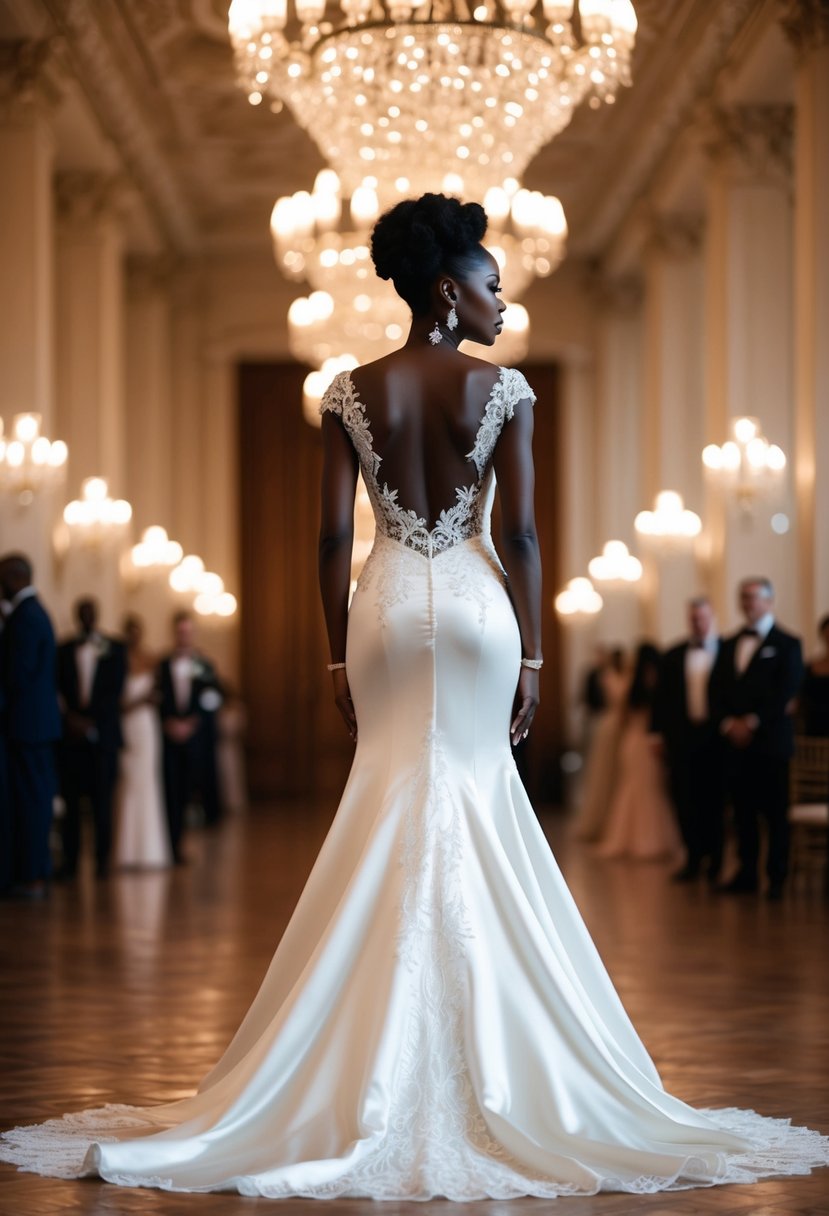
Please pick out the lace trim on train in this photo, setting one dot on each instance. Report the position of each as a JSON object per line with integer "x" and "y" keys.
{"x": 464, "y": 519}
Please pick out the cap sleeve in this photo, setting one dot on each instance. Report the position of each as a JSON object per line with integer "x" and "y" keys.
{"x": 332, "y": 398}
{"x": 516, "y": 388}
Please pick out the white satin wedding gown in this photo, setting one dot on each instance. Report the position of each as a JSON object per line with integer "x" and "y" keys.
{"x": 436, "y": 1020}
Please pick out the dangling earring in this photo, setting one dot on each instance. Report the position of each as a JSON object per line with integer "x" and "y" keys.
{"x": 435, "y": 336}
{"x": 452, "y": 319}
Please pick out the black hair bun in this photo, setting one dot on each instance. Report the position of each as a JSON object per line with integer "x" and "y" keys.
{"x": 418, "y": 238}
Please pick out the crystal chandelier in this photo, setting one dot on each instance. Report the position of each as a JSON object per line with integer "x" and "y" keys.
{"x": 407, "y": 88}
{"x": 323, "y": 238}
{"x": 28, "y": 460}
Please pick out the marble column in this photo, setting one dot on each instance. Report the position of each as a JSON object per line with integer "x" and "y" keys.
{"x": 27, "y": 97}
{"x": 807, "y": 24}
{"x": 749, "y": 338}
{"x": 148, "y": 422}
{"x": 618, "y": 443}
{"x": 673, "y": 434}
{"x": 90, "y": 363}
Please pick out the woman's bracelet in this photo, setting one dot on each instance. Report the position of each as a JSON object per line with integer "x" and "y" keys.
{"x": 533, "y": 664}
{"x": 335, "y": 666}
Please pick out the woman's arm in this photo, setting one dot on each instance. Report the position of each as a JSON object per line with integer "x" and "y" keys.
{"x": 515, "y": 473}
{"x": 339, "y": 484}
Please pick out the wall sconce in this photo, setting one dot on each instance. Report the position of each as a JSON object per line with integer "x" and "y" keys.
{"x": 155, "y": 549}
{"x": 747, "y": 466}
{"x": 670, "y": 525}
{"x": 578, "y": 600}
{"x": 28, "y": 460}
{"x": 210, "y": 599}
{"x": 615, "y": 565}
{"x": 95, "y": 518}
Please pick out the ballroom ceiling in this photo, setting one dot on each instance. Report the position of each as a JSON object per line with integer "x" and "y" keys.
{"x": 147, "y": 94}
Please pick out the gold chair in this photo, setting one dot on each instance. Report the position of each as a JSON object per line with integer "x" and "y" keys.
{"x": 809, "y": 806}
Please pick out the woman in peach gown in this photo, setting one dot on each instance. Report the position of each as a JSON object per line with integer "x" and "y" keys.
{"x": 603, "y": 757}
{"x": 641, "y": 823}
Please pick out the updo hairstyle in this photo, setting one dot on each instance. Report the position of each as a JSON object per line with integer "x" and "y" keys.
{"x": 418, "y": 239}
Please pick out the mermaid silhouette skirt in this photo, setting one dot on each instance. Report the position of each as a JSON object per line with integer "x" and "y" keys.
{"x": 436, "y": 1020}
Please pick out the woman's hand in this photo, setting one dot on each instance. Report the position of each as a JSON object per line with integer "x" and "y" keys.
{"x": 526, "y": 700}
{"x": 342, "y": 699}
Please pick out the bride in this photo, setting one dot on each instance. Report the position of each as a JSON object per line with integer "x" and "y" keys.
{"x": 436, "y": 1020}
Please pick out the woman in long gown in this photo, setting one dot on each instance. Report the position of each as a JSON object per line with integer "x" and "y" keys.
{"x": 142, "y": 838}
{"x": 641, "y": 823}
{"x": 436, "y": 1020}
{"x": 603, "y": 758}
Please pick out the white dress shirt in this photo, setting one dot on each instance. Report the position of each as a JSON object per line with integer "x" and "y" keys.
{"x": 181, "y": 673}
{"x": 747, "y": 645}
{"x": 25, "y": 593}
{"x": 86, "y": 664}
{"x": 699, "y": 659}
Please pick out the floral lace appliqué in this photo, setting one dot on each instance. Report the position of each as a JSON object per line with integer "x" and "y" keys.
{"x": 464, "y": 519}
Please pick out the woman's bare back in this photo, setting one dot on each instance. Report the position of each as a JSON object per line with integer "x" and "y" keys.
{"x": 424, "y": 417}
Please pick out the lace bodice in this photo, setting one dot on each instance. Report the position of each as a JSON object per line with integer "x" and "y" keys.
{"x": 466, "y": 517}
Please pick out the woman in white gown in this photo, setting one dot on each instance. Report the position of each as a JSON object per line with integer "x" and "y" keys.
{"x": 142, "y": 838}
{"x": 436, "y": 1020}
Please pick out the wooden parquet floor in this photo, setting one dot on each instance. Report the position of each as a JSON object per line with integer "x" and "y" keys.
{"x": 127, "y": 990}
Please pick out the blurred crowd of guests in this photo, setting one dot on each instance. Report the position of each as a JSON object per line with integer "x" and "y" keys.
{"x": 103, "y": 723}
{"x": 677, "y": 738}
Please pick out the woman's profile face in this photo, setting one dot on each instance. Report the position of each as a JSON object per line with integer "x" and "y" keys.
{"x": 479, "y": 304}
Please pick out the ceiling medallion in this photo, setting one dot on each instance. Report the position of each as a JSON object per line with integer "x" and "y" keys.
{"x": 403, "y": 88}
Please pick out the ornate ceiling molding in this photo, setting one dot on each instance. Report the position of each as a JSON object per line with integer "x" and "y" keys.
{"x": 676, "y": 235}
{"x": 676, "y": 106}
{"x": 806, "y": 24}
{"x": 751, "y": 141}
{"x": 125, "y": 119}
{"x": 29, "y": 75}
{"x": 84, "y": 196}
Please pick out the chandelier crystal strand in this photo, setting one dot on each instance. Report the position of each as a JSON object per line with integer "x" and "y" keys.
{"x": 481, "y": 90}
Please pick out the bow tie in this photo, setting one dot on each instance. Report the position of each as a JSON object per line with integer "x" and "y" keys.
{"x": 749, "y": 633}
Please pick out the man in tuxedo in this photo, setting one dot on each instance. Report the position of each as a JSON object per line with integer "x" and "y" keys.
{"x": 693, "y": 747}
{"x": 755, "y": 681}
{"x": 190, "y": 697}
{"x": 91, "y": 673}
{"x": 31, "y": 725}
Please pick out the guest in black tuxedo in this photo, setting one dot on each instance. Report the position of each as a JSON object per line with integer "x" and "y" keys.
{"x": 693, "y": 746}
{"x": 753, "y": 687}
{"x": 31, "y": 724}
{"x": 91, "y": 673}
{"x": 190, "y": 697}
